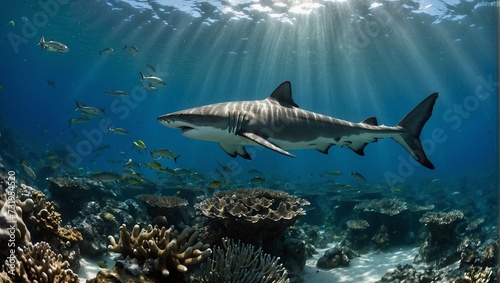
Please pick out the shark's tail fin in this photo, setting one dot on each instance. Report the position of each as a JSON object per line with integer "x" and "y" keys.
{"x": 412, "y": 124}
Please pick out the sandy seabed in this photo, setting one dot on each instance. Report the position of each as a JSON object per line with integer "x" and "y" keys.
{"x": 366, "y": 268}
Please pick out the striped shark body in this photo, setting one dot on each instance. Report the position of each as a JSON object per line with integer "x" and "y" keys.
{"x": 279, "y": 124}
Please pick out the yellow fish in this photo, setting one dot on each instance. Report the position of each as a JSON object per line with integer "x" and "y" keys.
{"x": 356, "y": 175}
{"x": 215, "y": 184}
{"x": 28, "y": 169}
{"x": 139, "y": 144}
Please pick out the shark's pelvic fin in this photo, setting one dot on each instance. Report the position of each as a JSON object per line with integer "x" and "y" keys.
{"x": 263, "y": 142}
{"x": 413, "y": 123}
{"x": 283, "y": 95}
{"x": 235, "y": 149}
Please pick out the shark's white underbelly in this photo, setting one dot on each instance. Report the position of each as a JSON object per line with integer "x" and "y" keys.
{"x": 223, "y": 136}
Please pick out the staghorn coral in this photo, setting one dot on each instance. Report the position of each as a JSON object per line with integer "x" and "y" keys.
{"x": 37, "y": 263}
{"x": 242, "y": 263}
{"x": 170, "y": 250}
{"x": 256, "y": 216}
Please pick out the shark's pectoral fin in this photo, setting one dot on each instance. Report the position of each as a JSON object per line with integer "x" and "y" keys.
{"x": 235, "y": 149}
{"x": 263, "y": 142}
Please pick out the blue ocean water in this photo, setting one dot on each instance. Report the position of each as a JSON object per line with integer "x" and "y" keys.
{"x": 346, "y": 59}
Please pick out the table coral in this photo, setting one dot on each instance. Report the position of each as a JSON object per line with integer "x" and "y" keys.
{"x": 171, "y": 250}
{"x": 256, "y": 216}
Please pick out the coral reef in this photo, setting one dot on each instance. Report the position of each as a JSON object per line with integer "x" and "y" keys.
{"x": 96, "y": 221}
{"x": 242, "y": 263}
{"x": 335, "y": 257}
{"x": 173, "y": 208}
{"x": 381, "y": 238}
{"x": 442, "y": 241}
{"x": 356, "y": 233}
{"x": 49, "y": 220}
{"x": 37, "y": 263}
{"x": 172, "y": 252}
{"x": 256, "y": 216}
{"x": 385, "y": 206}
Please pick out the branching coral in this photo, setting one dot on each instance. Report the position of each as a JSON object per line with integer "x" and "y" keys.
{"x": 170, "y": 249}
{"x": 242, "y": 263}
{"x": 38, "y": 263}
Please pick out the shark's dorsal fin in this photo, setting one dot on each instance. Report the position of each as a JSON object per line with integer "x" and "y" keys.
{"x": 370, "y": 121}
{"x": 283, "y": 95}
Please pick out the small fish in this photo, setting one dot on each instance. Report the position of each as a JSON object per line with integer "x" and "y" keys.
{"x": 102, "y": 264}
{"x": 28, "y": 169}
{"x": 254, "y": 171}
{"x": 105, "y": 177}
{"x": 163, "y": 152}
{"x": 356, "y": 175}
{"x": 101, "y": 149}
{"x": 152, "y": 80}
{"x": 116, "y": 92}
{"x": 169, "y": 171}
{"x": 131, "y": 49}
{"x": 139, "y": 144}
{"x": 215, "y": 184}
{"x": 334, "y": 173}
{"x": 50, "y": 156}
{"x": 53, "y": 46}
{"x": 85, "y": 109}
{"x": 257, "y": 180}
{"x": 51, "y": 83}
{"x": 150, "y": 88}
{"x": 150, "y": 69}
{"x": 132, "y": 181}
{"x": 11, "y": 23}
{"x": 106, "y": 51}
{"x": 131, "y": 164}
{"x": 154, "y": 165}
{"x": 56, "y": 164}
{"x": 455, "y": 193}
{"x": 225, "y": 168}
{"x": 76, "y": 121}
{"x": 398, "y": 190}
{"x": 117, "y": 131}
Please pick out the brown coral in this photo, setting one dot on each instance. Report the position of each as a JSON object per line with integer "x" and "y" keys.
{"x": 49, "y": 219}
{"x": 38, "y": 263}
{"x": 385, "y": 206}
{"x": 171, "y": 251}
{"x": 255, "y": 216}
{"x": 173, "y": 208}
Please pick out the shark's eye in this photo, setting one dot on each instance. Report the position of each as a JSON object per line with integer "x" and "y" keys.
{"x": 180, "y": 115}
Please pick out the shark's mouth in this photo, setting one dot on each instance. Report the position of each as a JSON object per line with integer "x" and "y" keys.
{"x": 185, "y": 129}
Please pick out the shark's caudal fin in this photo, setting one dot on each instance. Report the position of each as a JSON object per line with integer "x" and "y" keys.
{"x": 413, "y": 123}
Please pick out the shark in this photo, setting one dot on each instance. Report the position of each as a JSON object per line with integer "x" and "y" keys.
{"x": 278, "y": 123}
